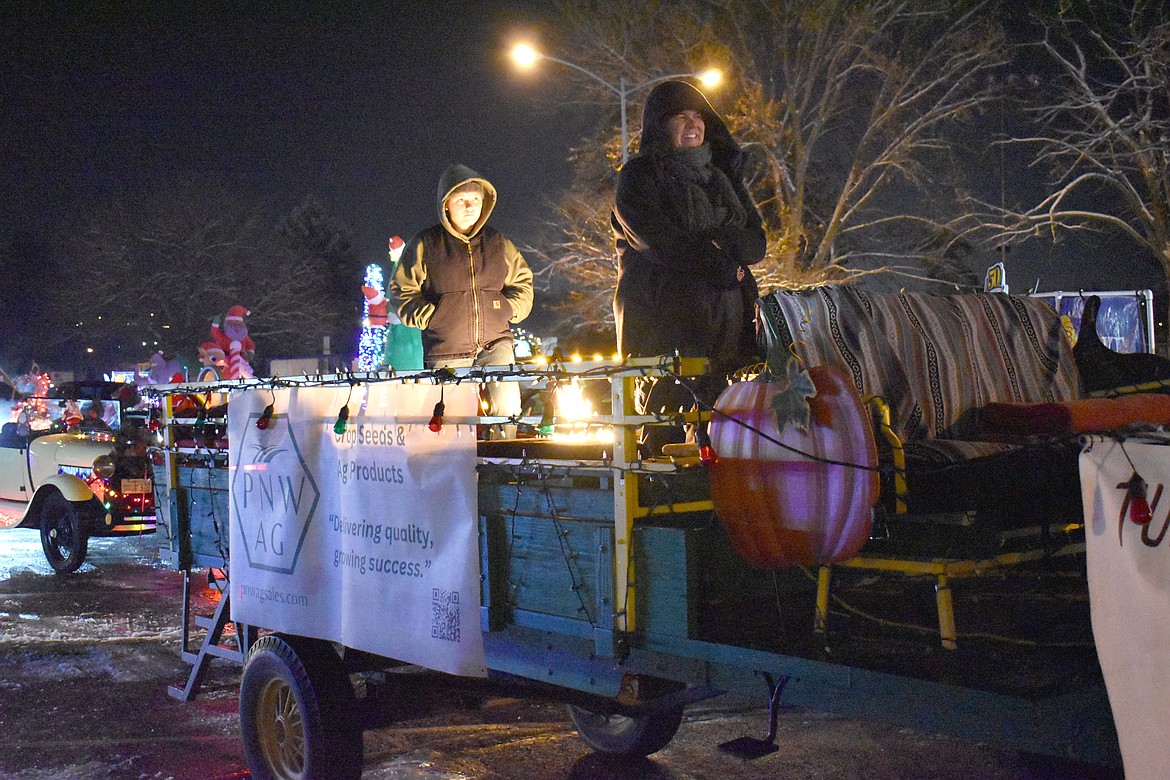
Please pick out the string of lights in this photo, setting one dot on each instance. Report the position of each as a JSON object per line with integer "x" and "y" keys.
{"x": 517, "y": 372}
{"x": 441, "y": 376}
{"x": 667, "y": 367}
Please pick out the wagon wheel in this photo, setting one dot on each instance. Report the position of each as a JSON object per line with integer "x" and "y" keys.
{"x": 627, "y": 735}
{"x": 64, "y": 542}
{"x": 295, "y": 712}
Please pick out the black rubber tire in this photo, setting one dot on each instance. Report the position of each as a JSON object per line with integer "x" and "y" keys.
{"x": 62, "y": 537}
{"x": 296, "y": 712}
{"x": 623, "y": 735}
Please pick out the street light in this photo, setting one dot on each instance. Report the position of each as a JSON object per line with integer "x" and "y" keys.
{"x": 526, "y": 57}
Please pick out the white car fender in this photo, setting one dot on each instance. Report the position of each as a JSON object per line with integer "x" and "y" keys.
{"x": 72, "y": 487}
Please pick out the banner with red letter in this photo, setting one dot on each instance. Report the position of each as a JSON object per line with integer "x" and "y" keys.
{"x": 362, "y": 530}
{"x": 1129, "y": 589}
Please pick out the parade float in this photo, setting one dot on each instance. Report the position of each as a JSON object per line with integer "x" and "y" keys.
{"x": 811, "y": 548}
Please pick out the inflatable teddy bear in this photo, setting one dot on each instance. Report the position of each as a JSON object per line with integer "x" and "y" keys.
{"x": 214, "y": 361}
{"x": 164, "y": 371}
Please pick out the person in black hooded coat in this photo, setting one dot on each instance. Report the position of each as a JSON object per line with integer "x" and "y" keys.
{"x": 687, "y": 232}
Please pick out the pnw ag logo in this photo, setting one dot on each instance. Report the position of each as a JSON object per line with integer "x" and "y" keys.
{"x": 273, "y": 494}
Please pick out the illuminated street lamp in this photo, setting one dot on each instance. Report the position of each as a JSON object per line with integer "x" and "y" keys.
{"x": 526, "y": 57}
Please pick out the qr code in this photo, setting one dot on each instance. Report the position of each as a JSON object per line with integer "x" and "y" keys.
{"x": 445, "y": 614}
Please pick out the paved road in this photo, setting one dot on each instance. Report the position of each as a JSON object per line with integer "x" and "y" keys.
{"x": 85, "y": 662}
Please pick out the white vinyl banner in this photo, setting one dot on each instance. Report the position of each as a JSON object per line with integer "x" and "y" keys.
{"x": 368, "y": 537}
{"x": 1129, "y": 595}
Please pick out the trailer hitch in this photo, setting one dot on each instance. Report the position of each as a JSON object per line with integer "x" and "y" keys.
{"x": 752, "y": 747}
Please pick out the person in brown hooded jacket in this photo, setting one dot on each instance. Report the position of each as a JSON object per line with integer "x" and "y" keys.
{"x": 686, "y": 232}
{"x": 462, "y": 283}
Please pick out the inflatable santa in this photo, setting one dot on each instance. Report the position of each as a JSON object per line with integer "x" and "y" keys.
{"x": 376, "y": 306}
{"x": 233, "y": 339}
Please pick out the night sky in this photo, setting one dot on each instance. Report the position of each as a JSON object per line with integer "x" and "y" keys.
{"x": 361, "y": 104}
{"x": 363, "y": 107}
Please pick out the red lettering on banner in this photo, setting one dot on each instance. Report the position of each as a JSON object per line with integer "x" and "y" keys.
{"x": 1146, "y": 528}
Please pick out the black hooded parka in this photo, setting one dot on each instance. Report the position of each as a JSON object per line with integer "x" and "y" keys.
{"x": 674, "y": 279}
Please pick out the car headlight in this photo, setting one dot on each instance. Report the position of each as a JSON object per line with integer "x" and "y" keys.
{"x": 103, "y": 466}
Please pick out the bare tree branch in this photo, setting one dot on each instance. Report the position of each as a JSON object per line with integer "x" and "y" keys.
{"x": 1106, "y": 129}
{"x": 845, "y": 107}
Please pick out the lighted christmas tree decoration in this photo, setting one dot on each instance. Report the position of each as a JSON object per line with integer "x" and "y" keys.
{"x": 526, "y": 345}
{"x": 372, "y": 342}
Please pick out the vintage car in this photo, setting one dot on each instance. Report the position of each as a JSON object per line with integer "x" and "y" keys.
{"x": 85, "y": 474}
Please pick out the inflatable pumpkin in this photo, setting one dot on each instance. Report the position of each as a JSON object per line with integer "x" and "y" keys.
{"x": 779, "y": 507}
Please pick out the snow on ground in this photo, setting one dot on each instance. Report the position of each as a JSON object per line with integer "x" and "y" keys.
{"x": 118, "y": 665}
{"x": 112, "y": 612}
{"x": 418, "y": 765}
{"x": 11, "y": 512}
{"x": 21, "y": 551}
{"x": 94, "y": 628}
{"x": 85, "y": 661}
